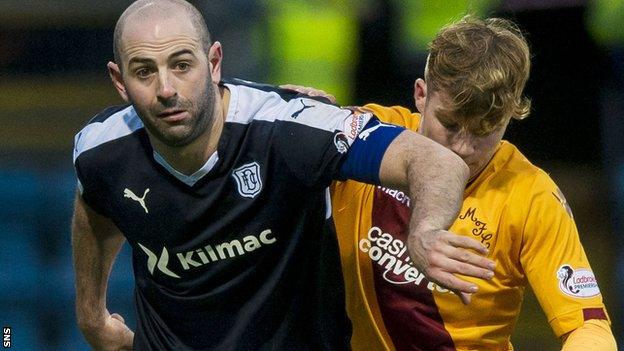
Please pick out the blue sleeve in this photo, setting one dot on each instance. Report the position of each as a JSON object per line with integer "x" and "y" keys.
{"x": 363, "y": 160}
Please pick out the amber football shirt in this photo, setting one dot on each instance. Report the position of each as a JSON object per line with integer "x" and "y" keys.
{"x": 513, "y": 208}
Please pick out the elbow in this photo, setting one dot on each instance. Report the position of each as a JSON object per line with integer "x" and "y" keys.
{"x": 452, "y": 161}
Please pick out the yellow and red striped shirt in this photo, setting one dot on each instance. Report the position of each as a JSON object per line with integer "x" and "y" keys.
{"x": 513, "y": 208}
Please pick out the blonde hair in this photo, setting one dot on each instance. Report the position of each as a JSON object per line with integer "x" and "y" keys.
{"x": 482, "y": 66}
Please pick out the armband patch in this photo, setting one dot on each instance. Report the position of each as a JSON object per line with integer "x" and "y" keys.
{"x": 354, "y": 124}
{"x": 579, "y": 282}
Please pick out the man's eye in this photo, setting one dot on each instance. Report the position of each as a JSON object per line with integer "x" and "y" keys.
{"x": 453, "y": 127}
{"x": 182, "y": 66}
{"x": 143, "y": 72}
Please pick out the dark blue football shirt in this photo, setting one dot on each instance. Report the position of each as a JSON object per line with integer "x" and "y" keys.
{"x": 240, "y": 255}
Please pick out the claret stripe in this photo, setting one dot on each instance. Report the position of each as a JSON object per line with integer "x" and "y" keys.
{"x": 410, "y": 314}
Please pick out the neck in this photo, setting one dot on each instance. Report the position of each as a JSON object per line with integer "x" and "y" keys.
{"x": 188, "y": 159}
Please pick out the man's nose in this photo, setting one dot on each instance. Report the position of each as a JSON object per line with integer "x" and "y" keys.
{"x": 166, "y": 90}
{"x": 463, "y": 147}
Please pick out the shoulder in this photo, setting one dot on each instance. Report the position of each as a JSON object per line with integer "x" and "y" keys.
{"x": 511, "y": 166}
{"x": 110, "y": 124}
{"x": 528, "y": 184}
{"x": 254, "y": 102}
{"x": 519, "y": 167}
{"x": 398, "y": 115}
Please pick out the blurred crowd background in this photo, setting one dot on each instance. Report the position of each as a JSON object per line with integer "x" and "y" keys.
{"x": 53, "y": 79}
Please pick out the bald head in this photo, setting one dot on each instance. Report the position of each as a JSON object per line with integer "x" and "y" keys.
{"x": 150, "y": 10}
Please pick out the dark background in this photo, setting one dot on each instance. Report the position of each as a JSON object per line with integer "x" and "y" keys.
{"x": 52, "y": 63}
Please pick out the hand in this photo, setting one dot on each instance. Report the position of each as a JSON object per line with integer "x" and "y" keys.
{"x": 309, "y": 91}
{"x": 113, "y": 334}
{"x": 440, "y": 255}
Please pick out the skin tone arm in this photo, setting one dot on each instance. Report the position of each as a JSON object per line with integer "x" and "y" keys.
{"x": 436, "y": 177}
{"x": 96, "y": 241}
{"x": 439, "y": 183}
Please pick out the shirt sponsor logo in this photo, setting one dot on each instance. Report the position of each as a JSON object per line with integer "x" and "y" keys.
{"x": 207, "y": 254}
{"x": 341, "y": 142}
{"x": 248, "y": 179}
{"x": 296, "y": 113}
{"x": 367, "y": 132}
{"x": 354, "y": 124}
{"x": 579, "y": 282}
{"x": 161, "y": 262}
{"x": 229, "y": 249}
{"x": 132, "y": 196}
{"x": 391, "y": 254}
{"x": 397, "y": 195}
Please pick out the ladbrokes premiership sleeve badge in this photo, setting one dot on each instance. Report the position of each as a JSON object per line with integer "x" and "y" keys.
{"x": 579, "y": 282}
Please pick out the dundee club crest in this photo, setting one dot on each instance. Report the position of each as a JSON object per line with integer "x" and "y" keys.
{"x": 248, "y": 179}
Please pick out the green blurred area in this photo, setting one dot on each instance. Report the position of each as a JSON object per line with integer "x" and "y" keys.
{"x": 312, "y": 43}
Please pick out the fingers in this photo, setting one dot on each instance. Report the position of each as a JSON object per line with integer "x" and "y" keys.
{"x": 444, "y": 257}
{"x": 297, "y": 88}
{"x": 457, "y": 251}
{"x": 464, "y": 297}
{"x": 118, "y": 317}
{"x": 467, "y": 243}
{"x": 127, "y": 335}
{"x": 312, "y": 92}
{"x": 128, "y": 340}
{"x": 464, "y": 262}
{"x": 305, "y": 90}
{"x": 450, "y": 281}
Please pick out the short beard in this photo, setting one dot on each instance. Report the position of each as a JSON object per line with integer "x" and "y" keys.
{"x": 204, "y": 120}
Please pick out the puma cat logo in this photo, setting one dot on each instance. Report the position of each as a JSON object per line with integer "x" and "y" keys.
{"x": 141, "y": 200}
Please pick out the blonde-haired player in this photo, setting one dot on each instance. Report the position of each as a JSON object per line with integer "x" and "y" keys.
{"x": 474, "y": 80}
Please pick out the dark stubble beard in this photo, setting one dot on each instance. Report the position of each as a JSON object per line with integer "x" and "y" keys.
{"x": 204, "y": 108}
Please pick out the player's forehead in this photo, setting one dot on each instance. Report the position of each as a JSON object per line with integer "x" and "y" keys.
{"x": 440, "y": 106}
{"x": 157, "y": 34}
{"x": 447, "y": 112}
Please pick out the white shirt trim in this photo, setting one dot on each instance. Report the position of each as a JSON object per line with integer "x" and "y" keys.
{"x": 189, "y": 180}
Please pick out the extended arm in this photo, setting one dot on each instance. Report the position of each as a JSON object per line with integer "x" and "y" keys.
{"x": 435, "y": 179}
{"x": 558, "y": 269}
{"x": 96, "y": 241}
{"x": 594, "y": 334}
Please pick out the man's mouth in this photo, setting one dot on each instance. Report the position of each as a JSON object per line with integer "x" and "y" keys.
{"x": 172, "y": 115}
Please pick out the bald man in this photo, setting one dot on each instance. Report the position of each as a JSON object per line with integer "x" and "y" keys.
{"x": 220, "y": 188}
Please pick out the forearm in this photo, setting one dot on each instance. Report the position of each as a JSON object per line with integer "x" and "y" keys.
{"x": 95, "y": 243}
{"x": 435, "y": 179}
{"x": 438, "y": 182}
{"x": 594, "y": 334}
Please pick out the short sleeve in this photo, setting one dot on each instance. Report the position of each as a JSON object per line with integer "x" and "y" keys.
{"x": 396, "y": 115}
{"x": 86, "y": 181}
{"x": 554, "y": 261}
{"x": 313, "y": 138}
{"x": 111, "y": 123}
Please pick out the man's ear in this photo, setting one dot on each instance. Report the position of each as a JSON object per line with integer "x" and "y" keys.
{"x": 215, "y": 57}
{"x": 420, "y": 94}
{"x": 115, "y": 76}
